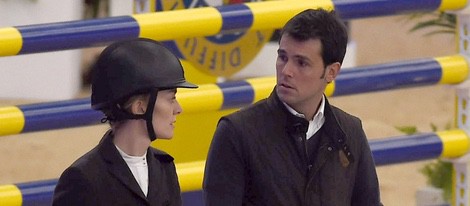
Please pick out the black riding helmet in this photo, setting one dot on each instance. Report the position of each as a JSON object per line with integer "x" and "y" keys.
{"x": 127, "y": 68}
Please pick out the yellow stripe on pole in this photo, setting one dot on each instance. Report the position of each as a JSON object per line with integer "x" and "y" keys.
{"x": 262, "y": 87}
{"x": 11, "y": 41}
{"x": 274, "y": 14}
{"x": 454, "y": 69}
{"x": 10, "y": 195}
{"x": 170, "y": 25}
{"x": 330, "y": 89}
{"x": 455, "y": 143}
{"x": 190, "y": 175}
{"x": 11, "y": 120}
{"x": 452, "y": 4}
{"x": 207, "y": 97}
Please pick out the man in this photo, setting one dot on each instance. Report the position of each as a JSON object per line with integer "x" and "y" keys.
{"x": 134, "y": 84}
{"x": 294, "y": 148}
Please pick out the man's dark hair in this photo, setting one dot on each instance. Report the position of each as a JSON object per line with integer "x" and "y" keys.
{"x": 323, "y": 25}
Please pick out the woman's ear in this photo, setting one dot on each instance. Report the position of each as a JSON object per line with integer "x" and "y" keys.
{"x": 138, "y": 106}
{"x": 332, "y": 71}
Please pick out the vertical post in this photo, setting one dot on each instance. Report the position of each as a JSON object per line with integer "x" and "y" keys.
{"x": 460, "y": 174}
{"x": 463, "y": 112}
{"x": 460, "y": 181}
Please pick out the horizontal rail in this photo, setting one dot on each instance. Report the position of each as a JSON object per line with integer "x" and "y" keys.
{"x": 203, "y": 21}
{"x": 236, "y": 94}
{"x": 392, "y": 150}
{"x": 40, "y": 193}
{"x": 444, "y": 144}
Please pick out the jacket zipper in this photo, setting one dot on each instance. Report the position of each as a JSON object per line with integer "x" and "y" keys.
{"x": 309, "y": 168}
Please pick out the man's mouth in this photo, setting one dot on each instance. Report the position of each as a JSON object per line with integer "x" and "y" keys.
{"x": 285, "y": 85}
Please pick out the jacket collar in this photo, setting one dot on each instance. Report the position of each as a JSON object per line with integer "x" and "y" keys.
{"x": 331, "y": 127}
{"x": 118, "y": 168}
{"x": 294, "y": 124}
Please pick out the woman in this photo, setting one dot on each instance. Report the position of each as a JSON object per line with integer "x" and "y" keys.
{"x": 134, "y": 84}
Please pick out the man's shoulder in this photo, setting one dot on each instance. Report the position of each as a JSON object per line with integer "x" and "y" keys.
{"x": 257, "y": 110}
{"x": 343, "y": 115}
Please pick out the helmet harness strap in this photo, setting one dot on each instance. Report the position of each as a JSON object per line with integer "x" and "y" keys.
{"x": 148, "y": 116}
{"x": 119, "y": 114}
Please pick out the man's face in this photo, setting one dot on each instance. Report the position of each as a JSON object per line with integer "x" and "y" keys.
{"x": 300, "y": 72}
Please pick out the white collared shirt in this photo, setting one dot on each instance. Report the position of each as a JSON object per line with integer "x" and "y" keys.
{"x": 139, "y": 168}
{"x": 318, "y": 119}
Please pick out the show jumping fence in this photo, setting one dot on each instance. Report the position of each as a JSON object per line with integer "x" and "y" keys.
{"x": 452, "y": 144}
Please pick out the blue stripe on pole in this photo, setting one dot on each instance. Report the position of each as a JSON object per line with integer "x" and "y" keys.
{"x": 62, "y": 114}
{"x": 192, "y": 198}
{"x": 406, "y": 149}
{"x": 77, "y": 34}
{"x": 37, "y": 193}
{"x": 235, "y": 17}
{"x": 351, "y": 9}
{"x": 40, "y": 193}
{"x": 236, "y": 94}
{"x": 386, "y": 76}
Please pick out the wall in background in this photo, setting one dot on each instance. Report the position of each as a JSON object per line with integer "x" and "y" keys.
{"x": 42, "y": 76}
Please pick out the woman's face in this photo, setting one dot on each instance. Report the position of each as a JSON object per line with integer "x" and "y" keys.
{"x": 164, "y": 113}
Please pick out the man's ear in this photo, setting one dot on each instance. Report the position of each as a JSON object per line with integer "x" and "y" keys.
{"x": 332, "y": 71}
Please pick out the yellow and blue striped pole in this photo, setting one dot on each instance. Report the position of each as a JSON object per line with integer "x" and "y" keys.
{"x": 232, "y": 95}
{"x": 393, "y": 150}
{"x": 444, "y": 144}
{"x": 205, "y": 21}
{"x": 353, "y": 9}
{"x": 426, "y": 71}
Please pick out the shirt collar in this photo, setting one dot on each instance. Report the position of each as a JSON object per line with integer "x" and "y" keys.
{"x": 125, "y": 155}
{"x": 314, "y": 124}
{"x": 317, "y": 116}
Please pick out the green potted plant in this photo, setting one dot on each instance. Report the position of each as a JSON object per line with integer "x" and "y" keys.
{"x": 437, "y": 22}
{"x": 438, "y": 173}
